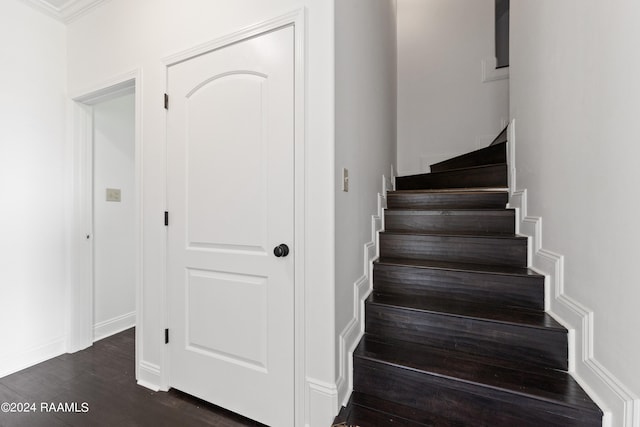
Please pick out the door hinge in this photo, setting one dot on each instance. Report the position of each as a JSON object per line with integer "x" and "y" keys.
{"x": 166, "y": 101}
{"x": 166, "y": 336}
{"x": 166, "y": 218}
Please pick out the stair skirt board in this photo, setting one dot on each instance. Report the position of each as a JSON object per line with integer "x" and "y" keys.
{"x": 455, "y": 331}
{"x": 350, "y": 336}
{"x": 622, "y": 407}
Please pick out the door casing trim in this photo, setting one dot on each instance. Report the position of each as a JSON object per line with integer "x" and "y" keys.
{"x": 79, "y": 322}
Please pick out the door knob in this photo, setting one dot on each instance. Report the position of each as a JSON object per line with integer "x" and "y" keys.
{"x": 281, "y": 250}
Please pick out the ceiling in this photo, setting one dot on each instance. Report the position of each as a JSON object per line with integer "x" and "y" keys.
{"x": 64, "y": 10}
{"x": 57, "y": 3}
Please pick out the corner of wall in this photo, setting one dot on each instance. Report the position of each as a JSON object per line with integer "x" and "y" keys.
{"x": 350, "y": 336}
{"x": 621, "y": 407}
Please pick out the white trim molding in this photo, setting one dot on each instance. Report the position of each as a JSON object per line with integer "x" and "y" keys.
{"x": 490, "y": 73}
{"x": 621, "y": 407}
{"x": 149, "y": 375}
{"x": 113, "y": 326}
{"x": 80, "y": 326}
{"x": 322, "y": 399}
{"x": 350, "y": 336}
{"x": 32, "y": 356}
{"x": 68, "y": 12}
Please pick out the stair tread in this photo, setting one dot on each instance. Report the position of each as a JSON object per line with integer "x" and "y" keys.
{"x": 463, "y": 234}
{"x": 488, "y": 175}
{"x": 491, "y": 154}
{"x": 458, "y": 266}
{"x": 484, "y": 312}
{"x": 491, "y": 165}
{"x": 467, "y": 190}
{"x": 367, "y": 411}
{"x": 461, "y": 211}
{"x": 551, "y": 386}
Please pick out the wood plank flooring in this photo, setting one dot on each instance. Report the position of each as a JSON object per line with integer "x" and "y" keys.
{"x": 103, "y": 376}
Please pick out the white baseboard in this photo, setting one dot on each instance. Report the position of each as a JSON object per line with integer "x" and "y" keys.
{"x": 322, "y": 399}
{"x": 32, "y": 356}
{"x": 113, "y": 326}
{"x": 620, "y": 405}
{"x": 490, "y": 73}
{"x": 149, "y": 376}
{"x": 352, "y": 333}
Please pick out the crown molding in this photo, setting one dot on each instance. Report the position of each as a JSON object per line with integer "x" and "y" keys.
{"x": 68, "y": 12}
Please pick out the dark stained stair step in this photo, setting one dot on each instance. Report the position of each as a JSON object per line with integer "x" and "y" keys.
{"x": 502, "y": 137}
{"x": 474, "y": 248}
{"x": 455, "y": 328}
{"x": 488, "y": 176}
{"x": 493, "y": 154}
{"x": 513, "y": 335}
{"x": 447, "y": 199}
{"x": 469, "y": 391}
{"x": 493, "y": 285}
{"x": 368, "y": 411}
{"x": 488, "y": 221}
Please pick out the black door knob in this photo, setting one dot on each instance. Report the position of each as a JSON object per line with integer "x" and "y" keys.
{"x": 281, "y": 250}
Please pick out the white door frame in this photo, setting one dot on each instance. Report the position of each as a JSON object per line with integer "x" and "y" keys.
{"x": 79, "y": 326}
{"x": 296, "y": 19}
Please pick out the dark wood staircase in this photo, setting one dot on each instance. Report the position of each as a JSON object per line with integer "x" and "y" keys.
{"x": 455, "y": 328}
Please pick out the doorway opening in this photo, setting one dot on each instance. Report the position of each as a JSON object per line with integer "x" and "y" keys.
{"x": 113, "y": 233}
{"x": 105, "y": 294}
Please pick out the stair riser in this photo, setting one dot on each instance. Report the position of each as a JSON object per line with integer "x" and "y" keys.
{"x": 541, "y": 347}
{"x": 367, "y": 417}
{"x": 496, "y": 222}
{"x": 466, "y": 403}
{"x": 489, "y": 177}
{"x": 493, "y": 289}
{"x": 410, "y": 414}
{"x": 447, "y": 201}
{"x": 487, "y": 156}
{"x": 475, "y": 250}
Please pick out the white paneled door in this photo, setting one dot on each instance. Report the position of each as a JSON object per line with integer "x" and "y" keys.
{"x": 230, "y": 200}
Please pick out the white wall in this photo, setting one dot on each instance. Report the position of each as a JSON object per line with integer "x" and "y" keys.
{"x": 121, "y": 36}
{"x": 33, "y": 251}
{"x": 444, "y": 108}
{"x": 574, "y": 94}
{"x": 365, "y": 40}
{"x": 114, "y": 222}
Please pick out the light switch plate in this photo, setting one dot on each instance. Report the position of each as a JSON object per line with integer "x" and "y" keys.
{"x": 113, "y": 195}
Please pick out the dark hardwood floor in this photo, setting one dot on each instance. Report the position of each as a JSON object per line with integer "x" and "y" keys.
{"x": 103, "y": 377}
